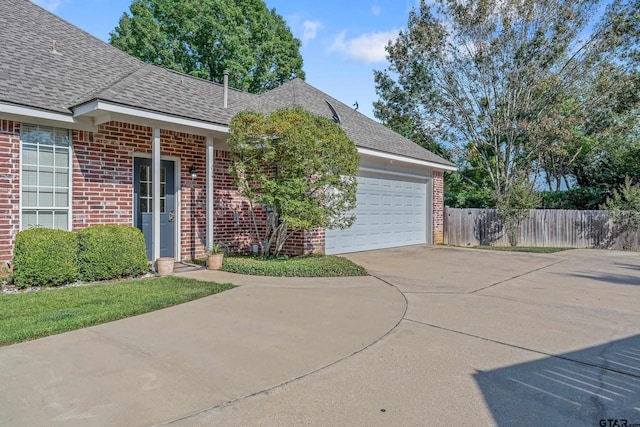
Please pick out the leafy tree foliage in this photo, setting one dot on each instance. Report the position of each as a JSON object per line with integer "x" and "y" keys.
{"x": 205, "y": 37}
{"x": 513, "y": 207}
{"x": 522, "y": 86}
{"x": 299, "y": 167}
{"x": 624, "y": 208}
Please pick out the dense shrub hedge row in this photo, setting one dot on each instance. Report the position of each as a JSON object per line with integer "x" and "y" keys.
{"x": 46, "y": 257}
{"x": 111, "y": 251}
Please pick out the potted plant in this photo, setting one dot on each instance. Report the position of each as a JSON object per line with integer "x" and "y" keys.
{"x": 215, "y": 255}
{"x": 164, "y": 266}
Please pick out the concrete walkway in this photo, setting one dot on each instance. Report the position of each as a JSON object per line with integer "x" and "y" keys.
{"x": 180, "y": 361}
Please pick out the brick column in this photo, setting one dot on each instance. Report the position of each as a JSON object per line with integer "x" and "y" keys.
{"x": 438, "y": 208}
{"x": 9, "y": 187}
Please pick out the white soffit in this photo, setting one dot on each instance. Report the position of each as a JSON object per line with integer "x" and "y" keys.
{"x": 98, "y": 109}
{"x": 396, "y": 157}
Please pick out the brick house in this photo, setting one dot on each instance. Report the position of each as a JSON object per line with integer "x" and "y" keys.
{"x": 90, "y": 135}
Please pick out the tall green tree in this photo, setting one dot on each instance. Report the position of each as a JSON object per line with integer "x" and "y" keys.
{"x": 624, "y": 208}
{"x": 298, "y": 167}
{"x": 205, "y": 37}
{"x": 498, "y": 81}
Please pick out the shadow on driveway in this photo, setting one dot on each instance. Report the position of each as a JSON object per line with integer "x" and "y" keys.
{"x": 577, "y": 388}
{"x": 612, "y": 278}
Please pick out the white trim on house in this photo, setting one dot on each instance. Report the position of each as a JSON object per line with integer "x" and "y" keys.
{"x": 209, "y": 189}
{"x": 394, "y": 173}
{"x": 155, "y": 170}
{"x": 388, "y": 156}
{"x": 104, "y": 111}
{"x": 20, "y": 113}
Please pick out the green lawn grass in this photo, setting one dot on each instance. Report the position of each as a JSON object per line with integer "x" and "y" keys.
{"x": 298, "y": 266}
{"x": 31, "y": 315}
{"x": 523, "y": 249}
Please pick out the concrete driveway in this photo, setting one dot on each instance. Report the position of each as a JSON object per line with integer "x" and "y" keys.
{"x": 489, "y": 338}
{"x": 437, "y": 336}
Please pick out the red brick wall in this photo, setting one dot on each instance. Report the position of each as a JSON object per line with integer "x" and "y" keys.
{"x": 102, "y": 178}
{"x": 9, "y": 187}
{"x": 232, "y": 223}
{"x": 232, "y": 217}
{"x": 438, "y": 208}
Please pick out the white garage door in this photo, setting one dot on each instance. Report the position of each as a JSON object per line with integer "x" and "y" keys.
{"x": 391, "y": 211}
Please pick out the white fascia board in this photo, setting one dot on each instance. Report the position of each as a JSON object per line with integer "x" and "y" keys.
{"x": 22, "y": 112}
{"x": 388, "y": 156}
{"x": 98, "y": 106}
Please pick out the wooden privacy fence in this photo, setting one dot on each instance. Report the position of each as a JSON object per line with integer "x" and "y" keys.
{"x": 543, "y": 228}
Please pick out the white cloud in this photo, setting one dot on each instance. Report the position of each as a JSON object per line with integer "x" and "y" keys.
{"x": 310, "y": 30}
{"x": 367, "y": 48}
{"x": 50, "y": 5}
{"x": 375, "y": 10}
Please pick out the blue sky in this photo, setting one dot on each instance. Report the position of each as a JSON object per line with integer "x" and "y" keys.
{"x": 342, "y": 40}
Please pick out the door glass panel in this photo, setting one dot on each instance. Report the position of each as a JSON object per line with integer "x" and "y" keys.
{"x": 146, "y": 204}
{"x": 163, "y": 190}
{"x": 146, "y": 190}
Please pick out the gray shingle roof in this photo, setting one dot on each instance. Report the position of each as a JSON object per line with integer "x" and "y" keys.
{"x": 84, "y": 68}
{"x": 363, "y": 131}
{"x": 34, "y": 76}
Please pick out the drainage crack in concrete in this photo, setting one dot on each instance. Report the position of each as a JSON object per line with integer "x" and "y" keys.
{"x": 285, "y": 383}
{"x": 531, "y": 350}
{"x": 516, "y": 276}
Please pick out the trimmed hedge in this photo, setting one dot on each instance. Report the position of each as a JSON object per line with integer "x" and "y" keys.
{"x": 45, "y": 257}
{"x": 110, "y": 252}
{"x": 298, "y": 266}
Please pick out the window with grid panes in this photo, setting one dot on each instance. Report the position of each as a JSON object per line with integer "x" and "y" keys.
{"x": 46, "y": 176}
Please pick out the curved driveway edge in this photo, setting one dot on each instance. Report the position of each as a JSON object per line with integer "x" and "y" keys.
{"x": 173, "y": 363}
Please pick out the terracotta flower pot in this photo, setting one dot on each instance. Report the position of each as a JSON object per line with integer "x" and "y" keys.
{"x": 164, "y": 266}
{"x": 214, "y": 261}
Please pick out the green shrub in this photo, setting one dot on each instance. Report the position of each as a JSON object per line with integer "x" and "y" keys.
{"x": 581, "y": 198}
{"x": 299, "y": 266}
{"x": 111, "y": 251}
{"x": 45, "y": 257}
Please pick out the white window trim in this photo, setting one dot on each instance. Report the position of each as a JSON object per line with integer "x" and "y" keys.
{"x": 70, "y": 178}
